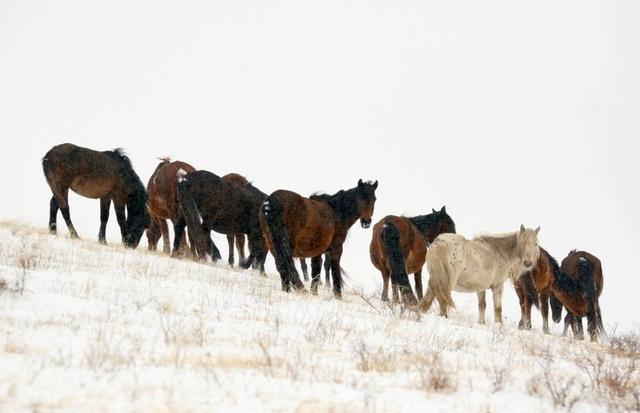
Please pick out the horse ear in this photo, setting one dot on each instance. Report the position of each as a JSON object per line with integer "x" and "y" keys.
{"x": 444, "y": 209}
{"x": 537, "y": 230}
{"x": 521, "y": 228}
{"x": 434, "y": 210}
{"x": 360, "y": 183}
{"x": 375, "y": 184}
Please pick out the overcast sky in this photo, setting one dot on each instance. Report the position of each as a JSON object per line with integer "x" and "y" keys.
{"x": 508, "y": 113}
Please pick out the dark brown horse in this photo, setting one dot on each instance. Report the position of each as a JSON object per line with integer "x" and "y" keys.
{"x": 399, "y": 246}
{"x": 99, "y": 175}
{"x": 225, "y": 207}
{"x": 163, "y": 202}
{"x": 576, "y": 284}
{"x": 239, "y": 238}
{"x": 585, "y": 270}
{"x": 295, "y": 226}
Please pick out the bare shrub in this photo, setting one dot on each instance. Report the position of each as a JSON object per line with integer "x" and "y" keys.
{"x": 564, "y": 391}
{"x": 374, "y": 360}
{"x": 625, "y": 345}
{"x": 499, "y": 374}
{"x": 434, "y": 374}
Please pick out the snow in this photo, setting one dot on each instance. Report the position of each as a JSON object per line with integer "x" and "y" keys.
{"x": 86, "y": 327}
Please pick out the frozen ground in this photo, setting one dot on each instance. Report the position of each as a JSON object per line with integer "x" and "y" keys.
{"x": 85, "y": 327}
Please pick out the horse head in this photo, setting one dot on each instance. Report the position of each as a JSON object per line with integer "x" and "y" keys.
{"x": 528, "y": 249}
{"x": 444, "y": 223}
{"x": 138, "y": 219}
{"x": 366, "y": 199}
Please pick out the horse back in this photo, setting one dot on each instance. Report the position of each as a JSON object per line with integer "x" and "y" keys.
{"x": 162, "y": 189}
{"x": 411, "y": 243}
{"x": 570, "y": 266}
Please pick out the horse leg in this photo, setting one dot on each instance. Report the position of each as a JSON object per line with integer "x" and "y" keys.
{"x": 305, "y": 271}
{"x": 122, "y": 220}
{"x": 525, "y": 322}
{"x": 53, "y": 215}
{"x": 316, "y": 264}
{"x": 395, "y": 291}
{"x": 230, "y": 241}
{"x": 336, "y": 254}
{"x": 164, "y": 230}
{"x": 64, "y": 208}
{"x": 568, "y": 322}
{"x": 153, "y": 234}
{"x": 240, "y": 247}
{"x": 385, "y": 285}
{"x": 497, "y": 303}
{"x": 482, "y": 306}
{"x": 178, "y": 230}
{"x": 211, "y": 246}
{"x": 327, "y": 270}
{"x": 418, "y": 279}
{"x": 578, "y": 322}
{"x": 591, "y": 325}
{"x": 105, "y": 204}
{"x": 544, "y": 309}
{"x": 426, "y": 302}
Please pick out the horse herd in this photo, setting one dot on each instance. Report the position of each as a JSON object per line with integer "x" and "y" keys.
{"x": 290, "y": 225}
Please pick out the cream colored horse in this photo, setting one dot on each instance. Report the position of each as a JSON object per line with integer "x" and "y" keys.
{"x": 474, "y": 266}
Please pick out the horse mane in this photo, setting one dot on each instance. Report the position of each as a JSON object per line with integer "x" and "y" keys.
{"x": 138, "y": 189}
{"x": 507, "y": 240}
{"x": 342, "y": 202}
{"x": 424, "y": 222}
{"x": 565, "y": 282}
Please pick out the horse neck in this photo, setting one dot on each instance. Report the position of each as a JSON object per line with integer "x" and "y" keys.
{"x": 506, "y": 246}
{"x": 425, "y": 225}
{"x": 344, "y": 206}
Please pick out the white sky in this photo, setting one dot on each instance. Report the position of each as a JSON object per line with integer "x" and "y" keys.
{"x": 506, "y": 112}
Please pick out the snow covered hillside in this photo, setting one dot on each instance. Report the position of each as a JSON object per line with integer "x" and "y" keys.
{"x": 85, "y": 327}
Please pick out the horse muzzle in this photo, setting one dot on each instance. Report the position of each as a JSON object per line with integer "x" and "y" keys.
{"x": 528, "y": 266}
{"x": 365, "y": 222}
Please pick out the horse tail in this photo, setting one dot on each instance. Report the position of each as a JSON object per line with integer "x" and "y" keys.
{"x": 391, "y": 246}
{"x": 530, "y": 289}
{"x": 191, "y": 216}
{"x": 272, "y": 210}
{"x": 586, "y": 273}
{"x": 439, "y": 280}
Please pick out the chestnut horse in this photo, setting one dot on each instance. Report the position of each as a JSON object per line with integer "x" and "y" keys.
{"x": 104, "y": 175}
{"x": 581, "y": 294}
{"x": 295, "y": 226}
{"x": 163, "y": 202}
{"x": 536, "y": 287}
{"x": 225, "y": 207}
{"x": 399, "y": 246}
{"x": 239, "y": 238}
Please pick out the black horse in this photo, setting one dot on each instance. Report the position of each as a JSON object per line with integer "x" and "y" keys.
{"x": 104, "y": 175}
{"x": 225, "y": 207}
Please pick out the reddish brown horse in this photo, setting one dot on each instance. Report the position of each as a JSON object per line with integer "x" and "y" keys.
{"x": 239, "y": 238}
{"x": 585, "y": 270}
{"x": 576, "y": 284}
{"x": 399, "y": 246}
{"x": 224, "y": 207}
{"x": 163, "y": 202}
{"x": 104, "y": 175}
{"x": 535, "y": 288}
{"x": 295, "y": 226}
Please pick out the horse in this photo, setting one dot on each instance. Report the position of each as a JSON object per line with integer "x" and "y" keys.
{"x": 163, "y": 202}
{"x": 536, "y": 287}
{"x": 399, "y": 246}
{"x": 581, "y": 290}
{"x": 238, "y": 238}
{"x": 225, "y": 207}
{"x": 296, "y": 226}
{"x": 469, "y": 266}
{"x": 108, "y": 176}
